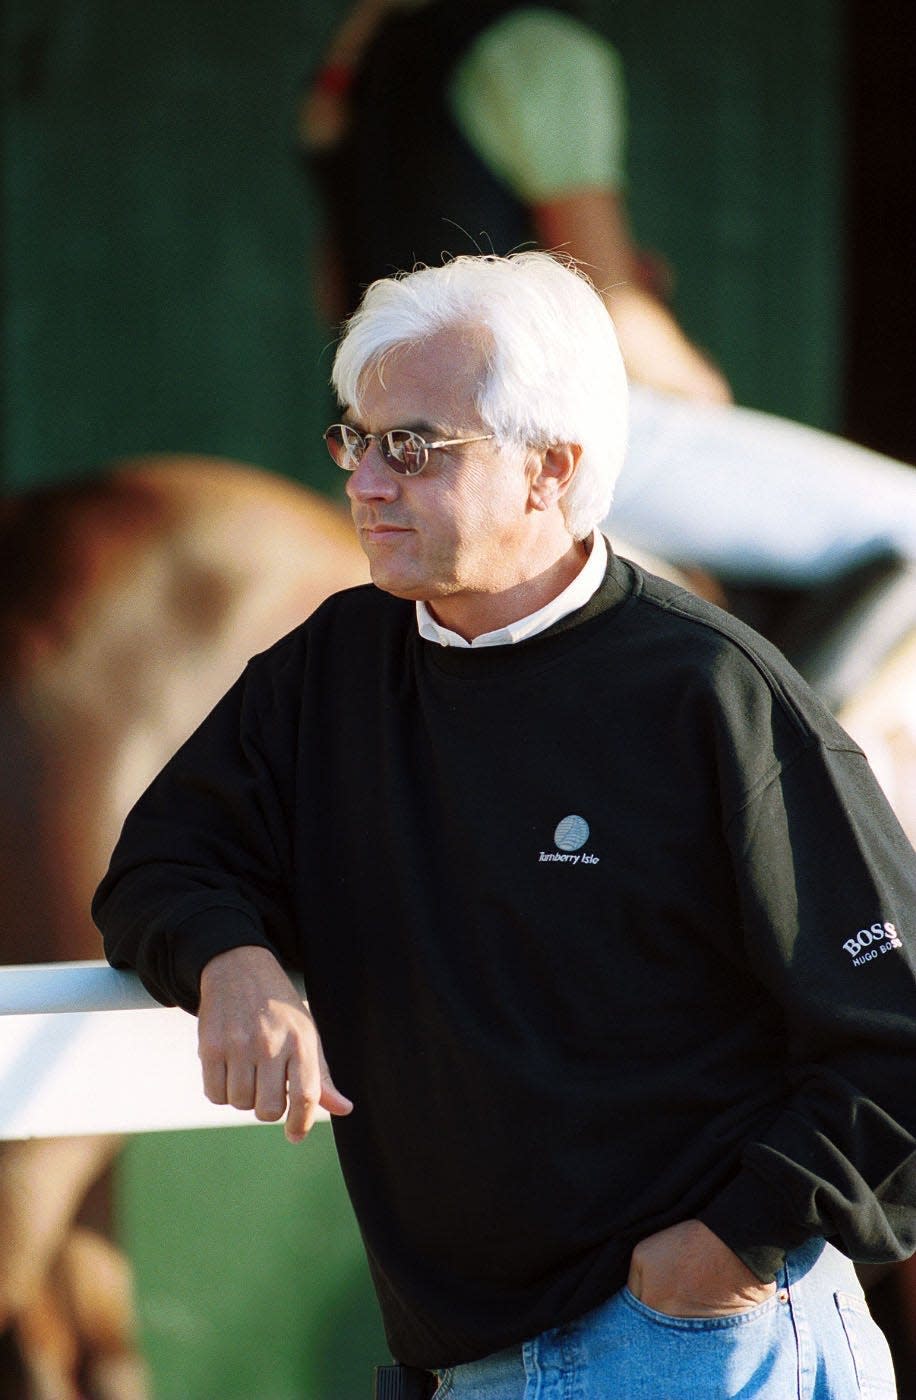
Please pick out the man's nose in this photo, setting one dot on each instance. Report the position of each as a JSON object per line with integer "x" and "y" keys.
{"x": 371, "y": 479}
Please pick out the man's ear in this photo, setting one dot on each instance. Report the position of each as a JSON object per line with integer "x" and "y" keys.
{"x": 552, "y": 473}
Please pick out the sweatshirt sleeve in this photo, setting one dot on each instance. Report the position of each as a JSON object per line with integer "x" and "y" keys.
{"x": 203, "y": 861}
{"x": 827, "y": 884}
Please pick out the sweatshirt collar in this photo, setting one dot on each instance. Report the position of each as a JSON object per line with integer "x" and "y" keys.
{"x": 575, "y": 595}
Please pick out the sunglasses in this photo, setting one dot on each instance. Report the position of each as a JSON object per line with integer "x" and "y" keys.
{"x": 403, "y": 450}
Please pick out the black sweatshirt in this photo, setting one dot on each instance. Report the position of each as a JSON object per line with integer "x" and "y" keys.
{"x": 602, "y": 931}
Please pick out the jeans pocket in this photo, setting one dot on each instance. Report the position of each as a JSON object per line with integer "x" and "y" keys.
{"x": 702, "y": 1324}
{"x": 654, "y": 1356}
{"x": 871, "y": 1354}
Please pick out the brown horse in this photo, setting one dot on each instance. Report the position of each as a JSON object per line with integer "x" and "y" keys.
{"x": 128, "y": 604}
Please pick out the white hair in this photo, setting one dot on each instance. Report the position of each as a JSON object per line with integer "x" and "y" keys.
{"x": 554, "y": 370}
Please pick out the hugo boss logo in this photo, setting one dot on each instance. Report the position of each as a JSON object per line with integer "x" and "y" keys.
{"x": 570, "y": 835}
{"x": 870, "y": 942}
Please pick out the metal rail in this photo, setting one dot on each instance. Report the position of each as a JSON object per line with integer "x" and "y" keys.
{"x": 86, "y": 1049}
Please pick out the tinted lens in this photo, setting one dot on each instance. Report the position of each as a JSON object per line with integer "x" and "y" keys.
{"x": 404, "y": 451}
{"x": 344, "y": 445}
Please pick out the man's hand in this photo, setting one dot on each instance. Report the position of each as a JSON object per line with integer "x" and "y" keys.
{"x": 259, "y": 1046}
{"x": 687, "y": 1271}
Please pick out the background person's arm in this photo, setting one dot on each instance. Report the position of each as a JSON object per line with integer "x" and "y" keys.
{"x": 591, "y": 226}
{"x": 541, "y": 98}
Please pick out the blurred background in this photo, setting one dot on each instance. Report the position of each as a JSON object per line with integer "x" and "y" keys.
{"x": 157, "y": 237}
{"x": 157, "y": 226}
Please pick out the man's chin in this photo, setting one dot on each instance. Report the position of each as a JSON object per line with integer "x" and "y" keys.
{"x": 398, "y": 586}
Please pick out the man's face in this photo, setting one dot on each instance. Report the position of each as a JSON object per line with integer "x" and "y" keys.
{"x": 460, "y": 527}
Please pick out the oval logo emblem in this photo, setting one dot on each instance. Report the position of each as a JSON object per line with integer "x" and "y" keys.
{"x": 571, "y": 833}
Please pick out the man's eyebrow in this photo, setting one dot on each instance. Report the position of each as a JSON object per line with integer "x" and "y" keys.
{"x": 422, "y": 426}
{"x": 425, "y": 427}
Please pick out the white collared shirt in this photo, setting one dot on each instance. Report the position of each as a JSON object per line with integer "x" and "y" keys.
{"x": 575, "y": 595}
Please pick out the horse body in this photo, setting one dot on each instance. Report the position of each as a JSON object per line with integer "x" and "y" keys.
{"x": 128, "y": 604}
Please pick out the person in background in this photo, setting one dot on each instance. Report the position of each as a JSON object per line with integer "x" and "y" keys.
{"x": 433, "y": 126}
{"x": 605, "y": 925}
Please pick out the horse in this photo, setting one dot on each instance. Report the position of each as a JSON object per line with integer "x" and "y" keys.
{"x": 129, "y": 602}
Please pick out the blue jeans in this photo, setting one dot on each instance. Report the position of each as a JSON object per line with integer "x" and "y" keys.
{"x": 812, "y": 1340}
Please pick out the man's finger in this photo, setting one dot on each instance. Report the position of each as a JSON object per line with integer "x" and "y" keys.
{"x": 270, "y": 1096}
{"x": 304, "y": 1095}
{"x": 240, "y": 1085}
{"x": 214, "y": 1076}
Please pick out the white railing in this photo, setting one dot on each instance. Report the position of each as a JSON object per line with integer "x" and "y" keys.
{"x": 85, "y": 1049}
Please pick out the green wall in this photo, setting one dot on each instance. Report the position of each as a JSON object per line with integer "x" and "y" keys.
{"x": 251, "y": 1278}
{"x": 157, "y": 229}
{"x": 156, "y": 234}
{"x": 735, "y": 164}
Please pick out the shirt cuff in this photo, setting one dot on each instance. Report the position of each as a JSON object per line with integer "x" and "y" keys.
{"x": 753, "y": 1220}
{"x": 201, "y": 937}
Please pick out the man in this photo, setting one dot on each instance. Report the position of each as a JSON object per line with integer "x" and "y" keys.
{"x": 603, "y": 921}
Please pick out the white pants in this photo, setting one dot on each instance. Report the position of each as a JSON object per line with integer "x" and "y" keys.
{"x": 754, "y": 497}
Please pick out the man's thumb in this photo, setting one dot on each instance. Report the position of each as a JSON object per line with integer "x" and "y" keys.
{"x": 331, "y": 1098}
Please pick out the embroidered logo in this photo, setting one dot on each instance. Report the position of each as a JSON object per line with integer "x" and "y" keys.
{"x": 869, "y": 942}
{"x": 571, "y": 834}
{"x": 569, "y": 837}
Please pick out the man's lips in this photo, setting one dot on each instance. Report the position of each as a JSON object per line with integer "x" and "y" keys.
{"x": 381, "y": 530}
